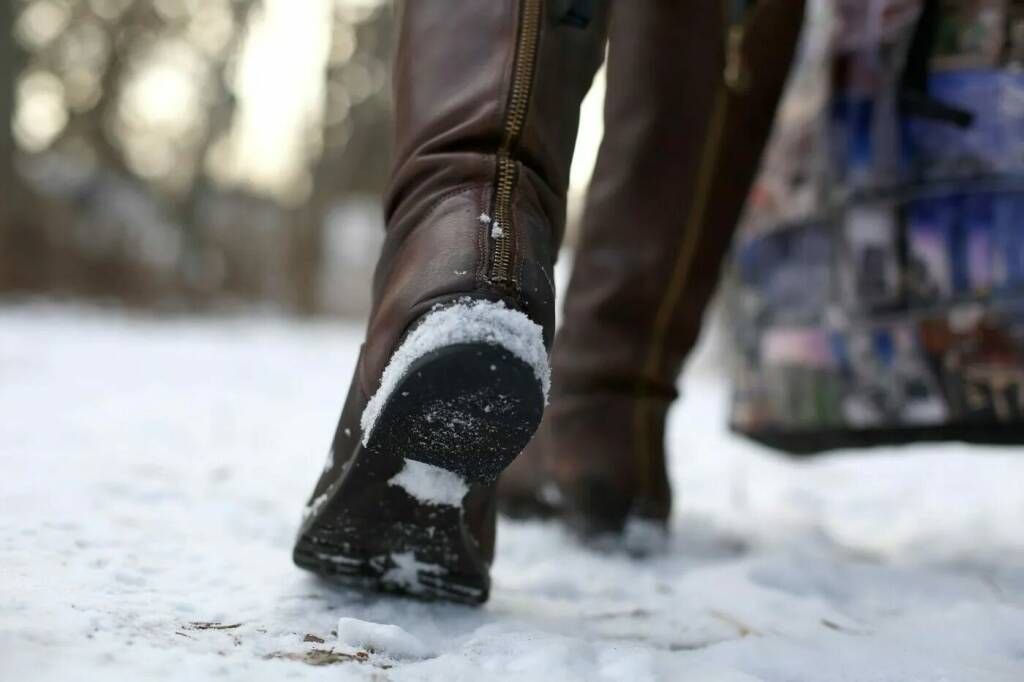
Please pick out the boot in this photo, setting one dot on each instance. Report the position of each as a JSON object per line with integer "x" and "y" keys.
{"x": 452, "y": 378}
{"x": 690, "y": 102}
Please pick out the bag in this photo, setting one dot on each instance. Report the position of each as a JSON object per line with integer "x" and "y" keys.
{"x": 893, "y": 310}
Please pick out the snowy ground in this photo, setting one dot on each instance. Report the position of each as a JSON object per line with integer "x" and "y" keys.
{"x": 154, "y": 472}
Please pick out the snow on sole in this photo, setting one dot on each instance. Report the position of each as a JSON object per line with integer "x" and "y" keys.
{"x": 469, "y": 409}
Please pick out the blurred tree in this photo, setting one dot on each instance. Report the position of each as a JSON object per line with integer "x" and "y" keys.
{"x": 9, "y": 58}
{"x": 356, "y": 135}
{"x": 130, "y": 127}
{"x": 13, "y": 204}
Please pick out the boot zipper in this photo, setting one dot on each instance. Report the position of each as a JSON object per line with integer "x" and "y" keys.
{"x": 501, "y": 222}
{"x": 737, "y": 73}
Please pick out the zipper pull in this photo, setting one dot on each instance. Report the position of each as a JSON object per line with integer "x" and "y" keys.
{"x": 737, "y": 75}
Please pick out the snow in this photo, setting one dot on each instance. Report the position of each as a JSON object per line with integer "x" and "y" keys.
{"x": 643, "y": 537}
{"x": 155, "y": 470}
{"x": 465, "y": 321}
{"x": 430, "y": 484}
{"x": 390, "y": 641}
{"x": 497, "y": 231}
{"x": 315, "y": 504}
{"x": 407, "y": 570}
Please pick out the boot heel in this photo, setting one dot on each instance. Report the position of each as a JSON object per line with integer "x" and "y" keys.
{"x": 464, "y": 391}
{"x": 394, "y": 526}
{"x": 469, "y": 408}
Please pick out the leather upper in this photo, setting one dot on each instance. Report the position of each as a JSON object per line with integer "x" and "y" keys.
{"x": 679, "y": 154}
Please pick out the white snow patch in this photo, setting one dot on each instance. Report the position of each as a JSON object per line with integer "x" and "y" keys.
{"x": 550, "y": 494}
{"x": 406, "y": 571}
{"x": 497, "y": 231}
{"x": 430, "y": 484}
{"x": 466, "y": 321}
{"x": 314, "y": 506}
{"x": 484, "y": 219}
{"x": 338, "y": 559}
{"x": 644, "y": 537}
{"x": 380, "y": 638}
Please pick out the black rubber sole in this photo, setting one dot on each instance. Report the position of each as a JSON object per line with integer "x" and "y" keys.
{"x": 467, "y": 408}
{"x": 373, "y": 535}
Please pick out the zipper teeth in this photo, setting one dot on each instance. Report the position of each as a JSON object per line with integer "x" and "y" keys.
{"x": 522, "y": 81}
{"x": 526, "y": 52}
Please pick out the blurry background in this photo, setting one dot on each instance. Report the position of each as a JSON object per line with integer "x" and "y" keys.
{"x": 189, "y": 154}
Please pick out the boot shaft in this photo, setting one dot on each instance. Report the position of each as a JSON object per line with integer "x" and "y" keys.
{"x": 487, "y": 98}
{"x": 691, "y": 98}
{"x": 690, "y": 104}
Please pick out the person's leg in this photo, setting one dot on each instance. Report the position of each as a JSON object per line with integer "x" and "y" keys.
{"x": 688, "y": 111}
{"x": 451, "y": 380}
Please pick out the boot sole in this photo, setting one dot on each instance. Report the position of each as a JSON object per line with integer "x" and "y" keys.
{"x": 467, "y": 409}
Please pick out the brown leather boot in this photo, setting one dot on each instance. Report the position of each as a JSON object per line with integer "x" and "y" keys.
{"x": 452, "y": 379}
{"x": 689, "y": 107}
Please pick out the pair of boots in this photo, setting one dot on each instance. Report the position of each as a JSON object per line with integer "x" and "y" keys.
{"x": 453, "y": 378}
